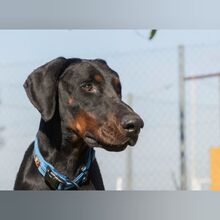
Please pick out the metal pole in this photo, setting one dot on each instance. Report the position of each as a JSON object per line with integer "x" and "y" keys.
{"x": 183, "y": 173}
{"x": 203, "y": 76}
{"x": 129, "y": 156}
{"x": 194, "y": 182}
{"x": 219, "y": 101}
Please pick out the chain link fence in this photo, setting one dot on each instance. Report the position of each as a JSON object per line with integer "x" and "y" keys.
{"x": 150, "y": 85}
{"x": 202, "y": 112}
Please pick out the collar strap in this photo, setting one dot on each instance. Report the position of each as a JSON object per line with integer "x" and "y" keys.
{"x": 55, "y": 179}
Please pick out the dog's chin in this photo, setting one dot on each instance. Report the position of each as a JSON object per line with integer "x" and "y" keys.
{"x": 92, "y": 142}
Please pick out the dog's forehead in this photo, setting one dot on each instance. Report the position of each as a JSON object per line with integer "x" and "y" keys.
{"x": 89, "y": 68}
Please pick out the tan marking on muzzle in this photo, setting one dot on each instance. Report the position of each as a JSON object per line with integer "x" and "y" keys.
{"x": 82, "y": 122}
{"x": 70, "y": 100}
{"x": 111, "y": 132}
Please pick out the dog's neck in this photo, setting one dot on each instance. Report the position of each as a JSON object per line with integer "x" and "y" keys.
{"x": 65, "y": 155}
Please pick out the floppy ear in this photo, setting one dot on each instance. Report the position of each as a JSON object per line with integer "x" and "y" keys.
{"x": 41, "y": 86}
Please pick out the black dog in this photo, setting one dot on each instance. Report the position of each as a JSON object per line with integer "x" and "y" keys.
{"x": 81, "y": 108}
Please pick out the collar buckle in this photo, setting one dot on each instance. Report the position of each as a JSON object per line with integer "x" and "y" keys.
{"x": 52, "y": 180}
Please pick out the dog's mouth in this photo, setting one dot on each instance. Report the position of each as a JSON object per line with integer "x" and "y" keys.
{"x": 93, "y": 142}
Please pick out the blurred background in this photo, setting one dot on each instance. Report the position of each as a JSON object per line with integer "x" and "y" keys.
{"x": 172, "y": 81}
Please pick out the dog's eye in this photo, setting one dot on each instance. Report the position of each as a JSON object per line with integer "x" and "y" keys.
{"x": 88, "y": 87}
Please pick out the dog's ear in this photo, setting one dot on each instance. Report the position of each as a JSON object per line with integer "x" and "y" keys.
{"x": 41, "y": 86}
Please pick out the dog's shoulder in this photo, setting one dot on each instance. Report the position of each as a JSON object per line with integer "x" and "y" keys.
{"x": 27, "y": 159}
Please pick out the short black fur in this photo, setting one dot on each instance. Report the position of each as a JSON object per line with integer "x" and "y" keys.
{"x": 81, "y": 107}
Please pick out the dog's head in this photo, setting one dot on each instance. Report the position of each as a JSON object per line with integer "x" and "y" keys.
{"x": 88, "y": 96}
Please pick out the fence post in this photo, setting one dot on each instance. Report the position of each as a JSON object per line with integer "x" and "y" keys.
{"x": 182, "y": 148}
{"x": 1, "y": 129}
{"x": 129, "y": 156}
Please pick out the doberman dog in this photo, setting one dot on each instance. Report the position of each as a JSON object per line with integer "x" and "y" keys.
{"x": 81, "y": 108}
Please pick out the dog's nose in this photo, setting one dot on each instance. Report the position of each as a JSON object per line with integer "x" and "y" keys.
{"x": 132, "y": 123}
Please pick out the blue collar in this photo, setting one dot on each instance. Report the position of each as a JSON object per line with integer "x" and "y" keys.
{"x": 56, "y": 180}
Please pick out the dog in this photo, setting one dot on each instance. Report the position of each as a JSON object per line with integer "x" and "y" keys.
{"x": 81, "y": 108}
